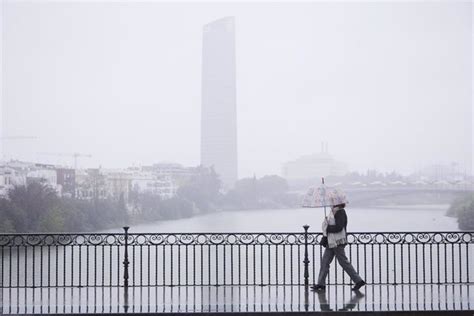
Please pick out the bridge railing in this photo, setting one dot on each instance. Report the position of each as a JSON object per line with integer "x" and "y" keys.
{"x": 216, "y": 259}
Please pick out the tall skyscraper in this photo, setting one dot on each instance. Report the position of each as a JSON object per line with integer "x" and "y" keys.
{"x": 218, "y": 108}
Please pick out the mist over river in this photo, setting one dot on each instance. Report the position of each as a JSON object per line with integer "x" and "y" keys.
{"x": 393, "y": 218}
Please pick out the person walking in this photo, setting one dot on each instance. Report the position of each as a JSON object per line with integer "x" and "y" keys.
{"x": 335, "y": 240}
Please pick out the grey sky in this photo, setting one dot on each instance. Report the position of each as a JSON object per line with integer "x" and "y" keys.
{"x": 388, "y": 85}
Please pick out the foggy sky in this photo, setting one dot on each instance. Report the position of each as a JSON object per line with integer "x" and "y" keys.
{"x": 387, "y": 85}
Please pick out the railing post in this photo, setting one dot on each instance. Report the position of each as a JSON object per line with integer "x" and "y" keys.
{"x": 306, "y": 260}
{"x": 125, "y": 260}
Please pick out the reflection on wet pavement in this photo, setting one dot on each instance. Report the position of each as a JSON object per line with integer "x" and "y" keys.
{"x": 236, "y": 299}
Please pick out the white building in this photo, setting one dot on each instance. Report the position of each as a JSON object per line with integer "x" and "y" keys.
{"x": 314, "y": 166}
{"x": 46, "y": 176}
{"x": 176, "y": 171}
{"x": 118, "y": 184}
{"x": 20, "y": 173}
{"x": 449, "y": 172}
{"x": 146, "y": 182}
{"x": 90, "y": 184}
{"x": 9, "y": 178}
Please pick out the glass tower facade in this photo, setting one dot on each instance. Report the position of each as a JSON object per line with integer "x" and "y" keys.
{"x": 218, "y": 107}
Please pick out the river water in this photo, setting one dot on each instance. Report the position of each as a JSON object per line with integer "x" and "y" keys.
{"x": 383, "y": 219}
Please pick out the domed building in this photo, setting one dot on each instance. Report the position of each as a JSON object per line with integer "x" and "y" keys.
{"x": 314, "y": 166}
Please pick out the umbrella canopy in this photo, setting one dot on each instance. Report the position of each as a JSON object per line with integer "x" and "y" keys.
{"x": 323, "y": 196}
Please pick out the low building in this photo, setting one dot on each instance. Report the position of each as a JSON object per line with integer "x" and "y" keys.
{"x": 174, "y": 171}
{"x": 20, "y": 173}
{"x": 118, "y": 185}
{"x": 45, "y": 175}
{"x": 9, "y": 178}
{"x": 437, "y": 172}
{"x": 314, "y": 166}
{"x": 90, "y": 184}
{"x": 163, "y": 186}
{"x": 66, "y": 180}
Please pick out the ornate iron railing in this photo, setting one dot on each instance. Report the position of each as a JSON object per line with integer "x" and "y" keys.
{"x": 188, "y": 259}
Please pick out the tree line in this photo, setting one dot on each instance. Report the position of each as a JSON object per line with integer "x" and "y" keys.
{"x": 463, "y": 209}
{"x": 37, "y": 207}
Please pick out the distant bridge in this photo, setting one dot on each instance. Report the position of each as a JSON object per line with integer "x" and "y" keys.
{"x": 410, "y": 189}
{"x": 364, "y": 194}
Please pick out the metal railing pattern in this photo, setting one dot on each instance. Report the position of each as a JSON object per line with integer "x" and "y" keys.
{"x": 216, "y": 259}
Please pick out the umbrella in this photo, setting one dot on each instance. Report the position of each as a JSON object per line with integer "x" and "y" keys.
{"x": 323, "y": 196}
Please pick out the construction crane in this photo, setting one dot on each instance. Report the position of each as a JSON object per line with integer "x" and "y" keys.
{"x": 74, "y": 155}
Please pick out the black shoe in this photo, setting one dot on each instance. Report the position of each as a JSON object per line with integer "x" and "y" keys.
{"x": 318, "y": 288}
{"x": 358, "y": 294}
{"x": 359, "y": 285}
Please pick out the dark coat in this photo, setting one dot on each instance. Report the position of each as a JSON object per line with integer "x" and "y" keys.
{"x": 341, "y": 222}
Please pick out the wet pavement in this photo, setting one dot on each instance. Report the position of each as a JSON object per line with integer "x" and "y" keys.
{"x": 249, "y": 299}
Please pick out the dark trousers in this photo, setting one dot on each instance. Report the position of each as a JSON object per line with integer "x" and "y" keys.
{"x": 340, "y": 255}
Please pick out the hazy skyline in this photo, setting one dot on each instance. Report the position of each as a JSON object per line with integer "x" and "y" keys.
{"x": 387, "y": 85}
